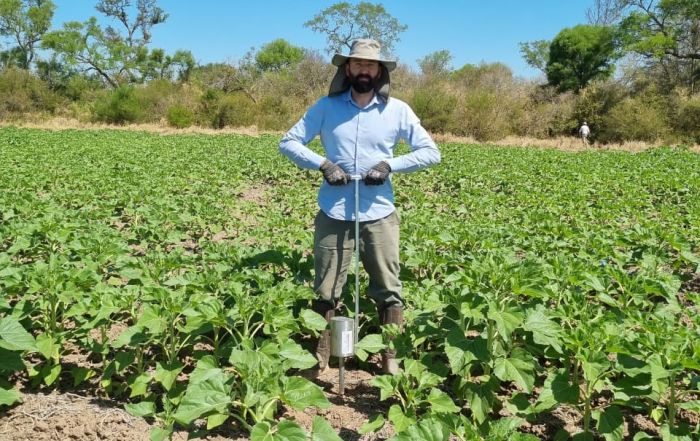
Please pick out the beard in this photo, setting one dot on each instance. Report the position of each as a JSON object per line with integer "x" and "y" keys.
{"x": 363, "y": 83}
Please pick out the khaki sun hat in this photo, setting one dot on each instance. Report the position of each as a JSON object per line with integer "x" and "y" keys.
{"x": 364, "y": 49}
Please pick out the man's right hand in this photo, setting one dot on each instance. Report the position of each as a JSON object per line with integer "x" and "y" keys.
{"x": 333, "y": 174}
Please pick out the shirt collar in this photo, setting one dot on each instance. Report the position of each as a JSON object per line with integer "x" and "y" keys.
{"x": 376, "y": 99}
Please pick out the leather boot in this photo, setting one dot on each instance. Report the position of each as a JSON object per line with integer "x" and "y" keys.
{"x": 323, "y": 347}
{"x": 391, "y": 315}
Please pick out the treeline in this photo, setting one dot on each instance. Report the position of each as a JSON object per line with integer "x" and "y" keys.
{"x": 110, "y": 75}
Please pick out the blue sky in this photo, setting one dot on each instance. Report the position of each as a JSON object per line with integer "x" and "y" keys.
{"x": 474, "y": 31}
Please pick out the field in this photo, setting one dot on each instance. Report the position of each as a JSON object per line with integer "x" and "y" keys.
{"x": 550, "y": 294}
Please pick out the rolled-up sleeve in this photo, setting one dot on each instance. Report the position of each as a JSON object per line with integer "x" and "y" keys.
{"x": 294, "y": 143}
{"x": 424, "y": 151}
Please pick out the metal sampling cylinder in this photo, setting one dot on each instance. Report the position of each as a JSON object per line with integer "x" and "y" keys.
{"x": 342, "y": 337}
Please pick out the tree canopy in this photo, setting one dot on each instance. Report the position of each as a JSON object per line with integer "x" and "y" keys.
{"x": 120, "y": 55}
{"x": 278, "y": 55}
{"x": 24, "y": 22}
{"x": 342, "y": 23}
{"x": 580, "y": 54}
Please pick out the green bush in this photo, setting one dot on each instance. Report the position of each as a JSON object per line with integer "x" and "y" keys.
{"x": 688, "y": 121}
{"x": 435, "y": 108}
{"x": 232, "y": 110}
{"x": 636, "y": 119}
{"x": 119, "y": 106}
{"x": 180, "y": 116}
{"x": 275, "y": 113}
{"x": 483, "y": 115}
{"x": 21, "y": 92}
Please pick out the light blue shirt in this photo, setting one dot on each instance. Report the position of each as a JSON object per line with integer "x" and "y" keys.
{"x": 357, "y": 139}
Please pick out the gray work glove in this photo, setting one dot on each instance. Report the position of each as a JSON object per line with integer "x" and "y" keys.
{"x": 378, "y": 174}
{"x": 333, "y": 174}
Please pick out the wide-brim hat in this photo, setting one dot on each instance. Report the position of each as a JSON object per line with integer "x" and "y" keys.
{"x": 363, "y": 49}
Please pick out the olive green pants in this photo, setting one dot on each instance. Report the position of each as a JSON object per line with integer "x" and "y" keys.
{"x": 334, "y": 246}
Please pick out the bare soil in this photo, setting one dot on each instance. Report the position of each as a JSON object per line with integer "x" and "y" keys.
{"x": 62, "y": 415}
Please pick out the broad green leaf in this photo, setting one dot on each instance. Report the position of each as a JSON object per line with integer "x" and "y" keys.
{"x": 298, "y": 357}
{"x": 142, "y": 409}
{"x": 516, "y": 370}
{"x": 50, "y": 373}
{"x": 10, "y": 396}
{"x": 369, "y": 344}
{"x": 693, "y": 406}
{"x": 131, "y": 336}
{"x": 14, "y": 337}
{"x": 201, "y": 398}
{"x": 301, "y": 393}
{"x": 160, "y": 433}
{"x": 461, "y": 351}
{"x": 374, "y": 424}
{"x": 290, "y": 431}
{"x": 610, "y": 423}
{"x": 506, "y": 321}
{"x": 399, "y": 419}
{"x": 152, "y": 319}
{"x": 386, "y": 385}
{"x": 207, "y": 367}
{"x": 481, "y": 398}
{"x": 545, "y": 331}
{"x": 216, "y": 419}
{"x": 10, "y": 361}
{"x": 429, "y": 429}
{"x": 48, "y": 347}
{"x": 558, "y": 389}
{"x": 81, "y": 374}
{"x": 313, "y": 320}
{"x": 321, "y": 430}
{"x": 282, "y": 431}
{"x": 440, "y": 402}
{"x": 139, "y": 385}
{"x": 166, "y": 375}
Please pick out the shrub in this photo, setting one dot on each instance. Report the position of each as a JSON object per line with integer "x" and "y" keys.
{"x": 593, "y": 105}
{"x": 180, "y": 116}
{"x": 483, "y": 115}
{"x": 636, "y": 119}
{"x": 688, "y": 121}
{"x": 275, "y": 113}
{"x": 233, "y": 110}
{"x": 119, "y": 106}
{"x": 21, "y": 92}
{"x": 435, "y": 108}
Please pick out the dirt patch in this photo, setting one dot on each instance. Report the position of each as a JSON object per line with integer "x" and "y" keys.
{"x": 256, "y": 195}
{"x": 61, "y": 415}
{"x": 348, "y": 412}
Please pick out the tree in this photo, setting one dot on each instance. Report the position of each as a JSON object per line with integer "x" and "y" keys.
{"x": 118, "y": 57}
{"x": 664, "y": 31}
{"x": 24, "y": 22}
{"x": 343, "y": 23}
{"x": 278, "y": 55}
{"x": 436, "y": 63}
{"x": 536, "y": 54}
{"x": 580, "y": 54}
{"x": 605, "y": 12}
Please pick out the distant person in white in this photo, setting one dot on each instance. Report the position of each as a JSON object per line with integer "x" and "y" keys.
{"x": 584, "y": 132}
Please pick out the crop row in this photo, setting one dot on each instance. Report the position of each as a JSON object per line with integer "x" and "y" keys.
{"x": 177, "y": 268}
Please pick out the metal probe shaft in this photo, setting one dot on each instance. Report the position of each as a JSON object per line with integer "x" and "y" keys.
{"x": 357, "y": 179}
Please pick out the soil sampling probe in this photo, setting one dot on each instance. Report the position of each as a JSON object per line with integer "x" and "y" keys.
{"x": 344, "y": 329}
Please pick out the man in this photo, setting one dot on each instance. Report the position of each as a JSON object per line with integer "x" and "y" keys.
{"x": 359, "y": 127}
{"x": 584, "y": 132}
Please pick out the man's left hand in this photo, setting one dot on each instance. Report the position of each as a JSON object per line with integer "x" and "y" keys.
{"x": 378, "y": 174}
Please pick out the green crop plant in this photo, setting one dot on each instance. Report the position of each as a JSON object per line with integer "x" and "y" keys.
{"x": 177, "y": 270}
